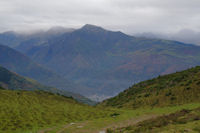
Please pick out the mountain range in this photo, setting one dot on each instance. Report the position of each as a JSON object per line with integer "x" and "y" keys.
{"x": 106, "y": 62}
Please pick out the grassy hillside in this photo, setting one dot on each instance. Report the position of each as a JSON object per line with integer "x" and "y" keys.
{"x": 180, "y": 122}
{"x": 29, "y": 110}
{"x": 173, "y": 89}
{"x": 13, "y": 81}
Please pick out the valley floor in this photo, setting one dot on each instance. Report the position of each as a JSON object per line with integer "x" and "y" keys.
{"x": 127, "y": 118}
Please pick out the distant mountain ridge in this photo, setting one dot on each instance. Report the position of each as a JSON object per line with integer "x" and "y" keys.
{"x": 106, "y": 61}
{"x": 13, "y": 39}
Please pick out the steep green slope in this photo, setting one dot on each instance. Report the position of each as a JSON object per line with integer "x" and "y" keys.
{"x": 13, "y": 81}
{"x": 22, "y": 111}
{"x": 173, "y": 89}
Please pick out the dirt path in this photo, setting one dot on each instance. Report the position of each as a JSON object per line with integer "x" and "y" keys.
{"x": 65, "y": 127}
{"x": 129, "y": 122}
{"x": 78, "y": 125}
{"x": 114, "y": 125}
{"x": 60, "y": 131}
{"x": 45, "y": 130}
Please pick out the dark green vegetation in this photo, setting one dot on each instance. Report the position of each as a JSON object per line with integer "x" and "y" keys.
{"x": 22, "y": 111}
{"x": 13, "y": 81}
{"x": 173, "y": 89}
{"x": 108, "y": 61}
{"x": 182, "y": 121}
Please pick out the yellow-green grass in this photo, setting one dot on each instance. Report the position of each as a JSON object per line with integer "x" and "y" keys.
{"x": 23, "y": 111}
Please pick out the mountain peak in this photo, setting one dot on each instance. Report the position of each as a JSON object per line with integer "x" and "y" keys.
{"x": 90, "y": 27}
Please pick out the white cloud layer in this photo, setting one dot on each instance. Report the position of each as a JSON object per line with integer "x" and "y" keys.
{"x": 130, "y": 16}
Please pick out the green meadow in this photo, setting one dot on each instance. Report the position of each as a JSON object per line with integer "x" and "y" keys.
{"x": 22, "y": 111}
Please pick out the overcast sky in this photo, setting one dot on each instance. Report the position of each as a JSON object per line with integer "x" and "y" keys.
{"x": 130, "y": 16}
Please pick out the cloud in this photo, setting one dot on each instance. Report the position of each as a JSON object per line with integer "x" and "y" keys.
{"x": 130, "y": 16}
{"x": 185, "y": 35}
